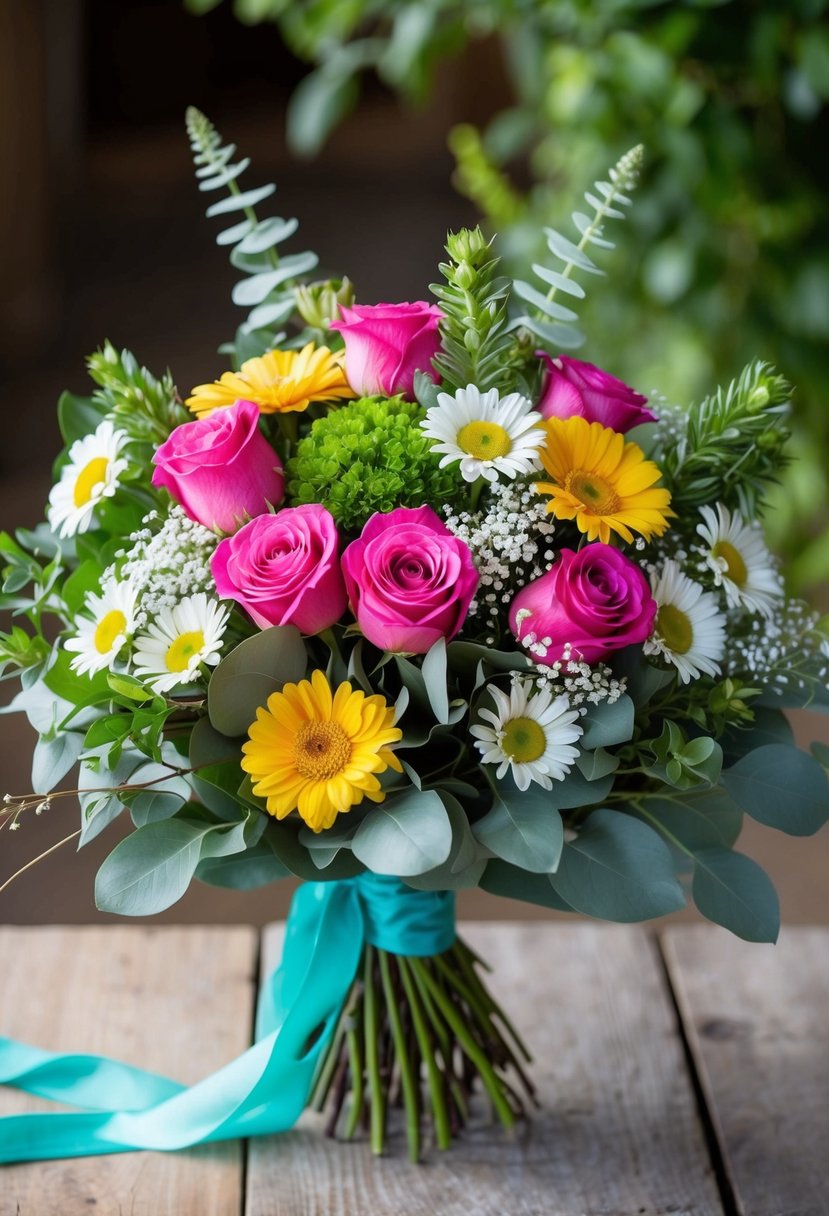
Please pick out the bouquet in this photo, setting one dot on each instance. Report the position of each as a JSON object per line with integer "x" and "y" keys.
{"x": 406, "y": 602}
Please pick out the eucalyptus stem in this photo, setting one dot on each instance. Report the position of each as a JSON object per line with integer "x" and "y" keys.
{"x": 371, "y": 1040}
{"x": 407, "y": 1077}
{"x": 443, "y": 1133}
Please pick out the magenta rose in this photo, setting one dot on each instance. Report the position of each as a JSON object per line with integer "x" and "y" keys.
{"x": 574, "y": 388}
{"x": 597, "y": 600}
{"x": 385, "y": 344}
{"x": 410, "y": 581}
{"x": 284, "y": 569}
{"x": 221, "y": 468}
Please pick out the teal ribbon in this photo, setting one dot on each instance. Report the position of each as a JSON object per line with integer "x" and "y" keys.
{"x": 266, "y": 1089}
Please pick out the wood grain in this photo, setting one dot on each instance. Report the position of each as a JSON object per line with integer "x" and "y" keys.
{"x": 175, "y": 1000}
{"x": 618, "y": 1134}
{"x": 757, "y": 1021}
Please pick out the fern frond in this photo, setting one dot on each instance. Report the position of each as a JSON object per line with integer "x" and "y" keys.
{"x": 478, "y": 347}
{"x": 551, "y": 321}
{"x": 268, "y": 287}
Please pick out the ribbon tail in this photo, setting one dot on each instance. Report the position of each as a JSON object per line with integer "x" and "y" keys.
{"x": 263, "y": 1091}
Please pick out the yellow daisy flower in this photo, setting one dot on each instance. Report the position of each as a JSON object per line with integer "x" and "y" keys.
{"x": 280, "y": 381}
{"x": 317, "y": 752}
{"x": 603, "y": 483}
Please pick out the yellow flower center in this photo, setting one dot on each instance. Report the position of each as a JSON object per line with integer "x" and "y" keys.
{"x": 484, "y": 440}
{"x": 91, "y": 475}
{"x": 108, "y": 629}
{"x": 674, "y": 627}
{"x": 597, "y": 494}
{"x": 523, "y": 740}
{"x": 735, "y": 567}
{"x": 321, "y": 750}
{"x": 182, "y": 650}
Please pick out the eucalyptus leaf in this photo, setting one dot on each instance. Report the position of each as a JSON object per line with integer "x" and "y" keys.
{"x": 523, "y": 828}
{"x": 253, "y": 670}
{"x": 53, "y": 758}
{"x": 606, "y": 724}
{"x": 732, "y": 890}
{"x": 434, "y": 677}
{"x": 464, "y": 865}
{"x": 618, "y": 869}
{"x": 782, "y": 787}
{"x": 511, "y": 882}
{"x": 409, "y": 834}
{"x": 256, "y": 867}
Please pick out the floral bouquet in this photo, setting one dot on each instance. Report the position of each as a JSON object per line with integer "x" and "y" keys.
{"x": 407, "y": 602}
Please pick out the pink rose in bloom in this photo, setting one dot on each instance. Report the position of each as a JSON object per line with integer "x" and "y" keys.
{"x": 572, "y": 387}
{"x": 284, "y": 569}
{"x": 596, "y": 599}
{"x": 409, "y": 580}
{"x": 221, "y": 468}
{"x": 385, "y": 344}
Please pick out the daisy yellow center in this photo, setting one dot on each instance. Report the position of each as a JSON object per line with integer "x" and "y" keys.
{"x": 90, "y": 476}
{"x": 523, "y": 740}
{"x": 108, "y": 629}
{"x": 674, "y": 627}
{"x": 735, "y": 567}
{"x": 484, "y": 440}
{"x": 182, "y": 650}
{"x": 321, "y": 750}
{"x": 597, "y": 494}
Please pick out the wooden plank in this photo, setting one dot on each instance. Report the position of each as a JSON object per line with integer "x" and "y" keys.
{"x": 174, "y": 1000}
{"x": 757, "y": 1023}
{"x": 618, "y": 1134}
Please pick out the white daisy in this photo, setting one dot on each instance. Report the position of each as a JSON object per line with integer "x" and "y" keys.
{"x": 689, "y": 630}
{"x": 92, "y": 473}
{"x": 104, "y": 627}
{"x": 740, "y": 562}
{"x": 487, "y": 433}
{"x": 531, "y": 735}
{"x": 178, "y": 641}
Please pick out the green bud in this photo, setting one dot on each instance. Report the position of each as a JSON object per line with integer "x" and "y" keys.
{"x": 319, "y": 303}
{"x": 471, "y": 341}
{"x": 464, "y": 275}
{"x": 758, "y": 398}
{"x": 468, "y": 245}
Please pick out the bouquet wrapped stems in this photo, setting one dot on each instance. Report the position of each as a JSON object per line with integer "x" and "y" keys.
{"x": 420, "y": 1033}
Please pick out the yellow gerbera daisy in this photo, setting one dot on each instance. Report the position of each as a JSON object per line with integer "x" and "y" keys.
{"x": 317, "y": 752}
{"x": 603, "y": 483}
{"x": 280, "y": 381}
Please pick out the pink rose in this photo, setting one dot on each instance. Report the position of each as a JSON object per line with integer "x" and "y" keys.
{"x": 597, "y": 599}
{"x": 572, "y": 387}
{"x": 409, "y": 580}
{"x": 284, "y": 569}
{"x": 221, "y": 468}
{"x": 385, "y": 344}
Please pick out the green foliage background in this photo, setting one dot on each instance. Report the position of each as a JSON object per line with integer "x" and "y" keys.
{"x": 727, "y": 257}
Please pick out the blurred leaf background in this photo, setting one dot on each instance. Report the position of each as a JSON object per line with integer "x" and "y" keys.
{"x": 727, "y": 254}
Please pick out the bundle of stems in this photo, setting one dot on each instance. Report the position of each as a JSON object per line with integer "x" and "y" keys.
{"x": 418, "y": 1034}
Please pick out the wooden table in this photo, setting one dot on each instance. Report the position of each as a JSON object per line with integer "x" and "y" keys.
{"x": 684, "y": 1073}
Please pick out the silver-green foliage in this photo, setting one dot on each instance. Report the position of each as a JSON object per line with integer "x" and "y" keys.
{"x": 552, "y": 322}
{"x": 268, "y": 286}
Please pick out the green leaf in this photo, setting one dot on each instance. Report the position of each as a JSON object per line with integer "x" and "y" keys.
{"x": 575, "y": 790}
{"x": 409, "y": 834}
{"x": 511, "y": 882}
{"x": 606, "y": 725}
{"x": 523, "y": 828}
{"x": 732, "y": 890}
{"x": 253, "y": 670}
{"x": 618, "y": 869}
{"x": 78, "y": 416}
{"x": 782, "y": 787}
{"x": 53, "y": 759}
{"x": 595, "y": 765}
{"x": 129, "y": 687}
{"x": 316, "y": 106}
{"x": 256, "y": 867}
{"x": 463, "y": 867}
{"x": 710, "y": 819}
{"x": 87, "y": 577}
{"x": 434, "y": 677}
{"x": 71, "y": 687}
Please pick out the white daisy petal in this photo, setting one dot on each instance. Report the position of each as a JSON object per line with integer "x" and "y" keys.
{"x": 531, "y": 735}
{"x": 689, "y": 630}
{"x": 90, "y": 475}
{"x": 737, "y": 556}
{"x": 104, "y": 626}
{"x": 490, "y": 435}
{"x": 174, "y": 646}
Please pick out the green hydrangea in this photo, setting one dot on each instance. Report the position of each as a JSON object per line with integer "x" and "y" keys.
{"x": 369, "y": 455}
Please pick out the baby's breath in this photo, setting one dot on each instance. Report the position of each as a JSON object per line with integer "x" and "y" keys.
{"x": 788, "y": 654}
{"x": 166, "y": 560}
{"x": 511, "y": 543}
{"x": 584, "y": 684}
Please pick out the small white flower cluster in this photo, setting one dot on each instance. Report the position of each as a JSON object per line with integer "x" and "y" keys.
{"x": 166, "y": 564}
{"x": 787, "y": 653}
{"x": 582, "y": 683}
{"x": 510, "y": 542}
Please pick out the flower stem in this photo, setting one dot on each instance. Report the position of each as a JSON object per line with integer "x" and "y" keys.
{"x": 371, "y": 1040}
{"x": 407, "y": 1078}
